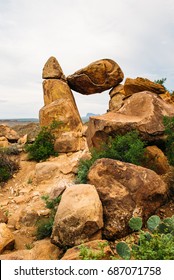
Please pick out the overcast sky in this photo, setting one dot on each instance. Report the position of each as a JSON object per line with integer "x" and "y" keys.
{"x": 138, "y": 35}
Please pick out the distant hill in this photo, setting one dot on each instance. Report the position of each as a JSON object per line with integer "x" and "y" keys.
{"x": 88, "y": 115}
{"x": 12, "y": 122}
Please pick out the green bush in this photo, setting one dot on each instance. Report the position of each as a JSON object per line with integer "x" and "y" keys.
{"x": 7, "y": 167}
{"x": 44, "y": 226}
{"x": 169, "y": 132}
{"x": 127, "y": 148}
{"x": 90, "y": 254}
{"x": 156, "y": 243}
{"x": 43, "y": 146}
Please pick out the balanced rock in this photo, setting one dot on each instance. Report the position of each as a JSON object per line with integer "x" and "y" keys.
{"x": 132, "y": 86}
{"x": 96, "y": 77}
{"x": 142, "y": 111}
{"x": 52, "y": 69}
{"x": 125, "y": 190}
{"x": 79, "y": 216}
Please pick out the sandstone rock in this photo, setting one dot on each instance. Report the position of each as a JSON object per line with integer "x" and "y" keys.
{"x": 94, "y": 246}
{"x": 116, "y": 90}
{"x": 6, "y": 238}
{"x": 116, "y": 102}
{"x": 125, "y": 190}
{"x": 3, "y": 142}
{"x": 132, "y": 86}
{"x": 96, "y": 77}
{"x": 52, "y": 69}
{"x": 8, "y": 133}
{"x": 55, "y": 89}
{"x": 70, "y": 142}
{"x": 142, "y": 111}
{"x": 42, "y": 250}
{"x": 64, "y": 111}
{"x": 3, "y": 217}
{"x": 156, "y": 160}
{"x": 167, "y": 97}
{"x": 79, "y": 216}
{"x": 23, "y": 140}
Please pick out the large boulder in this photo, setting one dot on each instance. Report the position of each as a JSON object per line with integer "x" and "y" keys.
{"x": 125, "y": 190}
{"x": 142, "y": 111}
{"x": 96, "y": 77}
{"x": 55, "y": 89}
{"x": 132, "y": 86}
{"x": 79, "y": 216}
{"x": 8, "y": 133}
{"x": 52, "y": 69}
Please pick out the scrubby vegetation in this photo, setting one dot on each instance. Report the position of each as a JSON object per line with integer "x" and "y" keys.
{"x": 43, "y": 146}
{"x": 169, "y": 132}
{"x": 128, "y": 148}
{"x": 44, "y": 226}
{"x": 156, "y": 242}
{"x": 89, "y": 254}
{"x": 7, "y": 167}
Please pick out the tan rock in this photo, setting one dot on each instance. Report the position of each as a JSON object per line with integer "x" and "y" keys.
{"x": 70, "y": 142}
{"x": 116, "y": 102}
{"x": 167, "y": 97}
{"x": 23, "y": 140}
{"x": 125, "y": 190}
{"x": 41, "y": 250}
{"x": 8, "y": 133}
{"x": 156, "y": 160}
{"x": 139, "y": 84}
{"x": 6, "y": 238}
{"x": 61, "y": 110}
{"x": 52, "y": 69}
{"x": 116, "y": 90}
{"x": 94, "y": 246}
{"x": 3, "y": 217}
{"x": 55, "y": 89}
{"x": 3, "y": 142}
{"x": 96, "y": 77}
{"x": 142, "y": 111}
{"x": 79, "y": 216}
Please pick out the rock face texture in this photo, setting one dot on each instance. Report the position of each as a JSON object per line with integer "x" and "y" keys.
{"x": 125, "y": 190}
{"x": 96, "y": 77}
{"x": 140, "y": 84}
{"x": 6, "y": 238}
{"x": 79, "y": 216}
{"x": 142, "y": 111}
{"x": 60, "y": 105}
{"x": 52, "y": 69}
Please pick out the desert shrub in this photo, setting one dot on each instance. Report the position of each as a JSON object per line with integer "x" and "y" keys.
{"x": 87, "y": 253}
{"x": 127, "y": 148}
{"x": 44, "y": 226}
{"x": 169, "y": 142}
{"x": 155, "y": 243}
{"x": 7, "y": 167}
{"x": 43, "y": 146}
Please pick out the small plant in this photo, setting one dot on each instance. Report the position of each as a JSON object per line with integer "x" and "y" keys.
{"x": 158, "y": 244}
{"x": 128, "y": 148}
{"x": 135, "y": 223}
{"x": 29, "y": 246}
{"x": 30, "y": 181}
{"x": 7, "y": 167}
{"x": 44, "y": 226}
{"x": 89, "y": 254}
{"x": 161, "y": 81}
{"x": 43, "y": 146}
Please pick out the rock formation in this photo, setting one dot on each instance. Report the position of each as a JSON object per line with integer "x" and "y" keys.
{"x": 96, "y": 77}
{"x": 60, "y": 106}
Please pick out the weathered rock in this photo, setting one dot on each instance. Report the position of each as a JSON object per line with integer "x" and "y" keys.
{"x": 55, "y": 89}
{"x": 42, "y": 250}
{"x": 116, "y": 102}
{"x": 8, "y": 133}
{"x": 142, "y": 111}
{"x": 6, "y": 238}
{"x": 70, "y": 142}
{"x": 125, "y": 190}
{"x": 79, "y": 216}
{"x": 167, "y": 97}
{"x": 23, "y": 140}
{"x": 3, "y": 142}
{"x": 132, "y": 86}
{"x": 94, "y": 246}
{"x": 116, "y": 90}
{"x": 96, "y": 77}
{"x": 3, "y": 217}
{"x": 156, "y": 160}
{"x": 52, "y": 69}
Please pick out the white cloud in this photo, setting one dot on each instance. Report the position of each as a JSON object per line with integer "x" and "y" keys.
{"x": 138, "y": 35}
